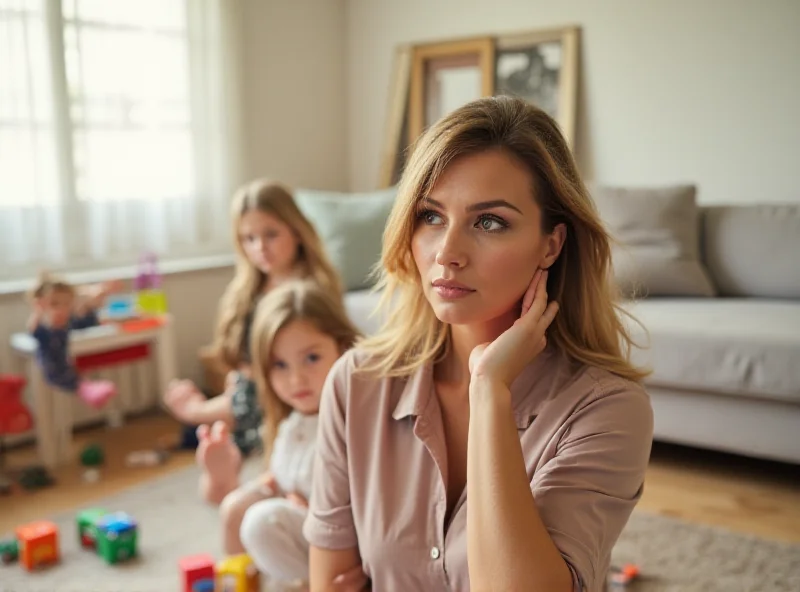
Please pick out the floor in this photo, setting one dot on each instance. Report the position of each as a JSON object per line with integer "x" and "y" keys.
{"x": 744, "y": 495}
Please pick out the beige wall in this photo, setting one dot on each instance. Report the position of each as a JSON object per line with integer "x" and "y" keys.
{"x": 294, "y": 91}
{"x": 671, "y": 90}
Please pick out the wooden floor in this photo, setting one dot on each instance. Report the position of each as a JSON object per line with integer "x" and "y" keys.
{"x": 744, "y": 495}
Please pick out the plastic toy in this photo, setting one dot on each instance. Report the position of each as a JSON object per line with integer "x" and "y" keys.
{"x": 204, "y": 585}
{"x": 87, "y": 527}
{"x": 119, "y": 307}
{"x": 116, "y": 537}
{"x": 9, "y": 550}
{"x": 15, "y": 418}
{"x": 92, "y": 456}
{"x": 150, "y": 298}
{"x": 237, "y": 574}
{"x": 194, "y": 570}
{"x": 622, "y": 576}
{"x": 35, "y": 477}
{"x": 38, "y": 544}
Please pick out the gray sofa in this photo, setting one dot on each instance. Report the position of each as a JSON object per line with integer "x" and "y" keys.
{"x": 717, "y": 292}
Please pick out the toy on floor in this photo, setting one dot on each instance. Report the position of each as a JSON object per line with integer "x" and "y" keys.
{"x": 87, "y": 526}
{"x": 38, "y": 544}
{"x": 150, "y": 298}
{"x": 237, "y": 574}
{"x": 117, "y": 535}
{"x": 9, "y": 551}
{"x": 196, "y": 569}
{"x": 15, "y": 418}
{"x": 35, "y": 477}
{"x": 622, "y": 576}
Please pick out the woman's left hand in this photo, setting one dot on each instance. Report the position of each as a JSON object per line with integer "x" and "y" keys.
{"x": 503, "y": 359}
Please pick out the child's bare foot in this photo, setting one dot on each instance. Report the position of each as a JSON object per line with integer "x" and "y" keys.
{"x": 220, "y": 460}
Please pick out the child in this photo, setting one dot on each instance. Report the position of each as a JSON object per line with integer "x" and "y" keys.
{"x": 274, "y": 243}
{"x": 59, "y": 308}
{"x": 299, "y": 331}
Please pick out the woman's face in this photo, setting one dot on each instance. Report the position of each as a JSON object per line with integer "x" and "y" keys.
{"x": 478, "y": 239}
{"x": 268, "y": 242}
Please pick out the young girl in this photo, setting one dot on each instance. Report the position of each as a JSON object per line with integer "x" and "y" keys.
{"x": 58, "y": 308}
{"x": 299, "y": 331}
{"x": 274, "y": 243}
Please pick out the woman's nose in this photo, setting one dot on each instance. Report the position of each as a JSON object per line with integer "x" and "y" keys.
{"x": 451, "y": 251}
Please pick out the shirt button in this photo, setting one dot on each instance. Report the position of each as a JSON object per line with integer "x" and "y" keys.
{"x": 435, "y": 553}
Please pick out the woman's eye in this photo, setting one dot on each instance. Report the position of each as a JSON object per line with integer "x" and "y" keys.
{"x": 491, "y": 224}
{"x": 430, "y": 217}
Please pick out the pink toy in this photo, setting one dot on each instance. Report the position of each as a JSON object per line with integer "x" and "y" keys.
{"x": 195, "y": 568}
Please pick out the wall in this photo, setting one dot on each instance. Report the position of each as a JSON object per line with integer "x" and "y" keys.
{"x": 671, "y": 90}
{"x": 294, "y": 91}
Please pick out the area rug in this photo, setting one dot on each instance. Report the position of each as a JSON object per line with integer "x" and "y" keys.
{"x": 674, "y": 556}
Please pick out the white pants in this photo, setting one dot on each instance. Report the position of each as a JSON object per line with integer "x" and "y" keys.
{"x": 272, "y": 534}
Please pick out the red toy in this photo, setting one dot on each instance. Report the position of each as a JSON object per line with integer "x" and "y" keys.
{"x": 14, "y": 417}
{"x": 38, "y": 544}
{"x": 622, "y": 576}
{"x": 195, "y": 568}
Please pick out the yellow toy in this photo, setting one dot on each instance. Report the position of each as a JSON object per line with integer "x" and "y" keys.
{"x": 237, "y": 574}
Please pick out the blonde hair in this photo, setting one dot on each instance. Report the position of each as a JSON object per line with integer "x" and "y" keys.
{"x": 312, "y": 262}
{"x": 46, "y": 284}
{"x": 296, "y": 300}
{"x": 588, "y": 327}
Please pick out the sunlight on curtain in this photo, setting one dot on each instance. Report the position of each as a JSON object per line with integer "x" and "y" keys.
{"x": 118, "y": 130}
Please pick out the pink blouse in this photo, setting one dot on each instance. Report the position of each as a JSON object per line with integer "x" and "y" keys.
{"x": 381, "y": 466}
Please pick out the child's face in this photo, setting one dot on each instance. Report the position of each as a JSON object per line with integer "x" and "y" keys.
{"x": 301, "y": 358}
{"x": 58, "y": 308}
{"x": 268, "y": 242}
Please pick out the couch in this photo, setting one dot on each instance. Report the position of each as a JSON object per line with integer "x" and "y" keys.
{"x": 716, "y": 290}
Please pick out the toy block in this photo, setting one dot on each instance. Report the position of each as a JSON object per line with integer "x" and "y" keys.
{"x": 87, "y": 527}
{"x": 194, "y": 569}
{"x": 9, "y": 551}
{"x": 38, "y": 544}
{"x": 237, "y": 574}
{"x": 117, "y": 535}
{"x": 204, "y": 585}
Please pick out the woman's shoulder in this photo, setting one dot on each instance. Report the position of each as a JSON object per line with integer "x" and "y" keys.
{"x": 352, "y": 377}
{"x": 609, "y": 394}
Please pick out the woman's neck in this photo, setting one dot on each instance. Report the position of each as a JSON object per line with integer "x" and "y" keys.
{"x": 454, "y": 368}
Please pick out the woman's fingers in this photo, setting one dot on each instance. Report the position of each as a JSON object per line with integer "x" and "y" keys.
{"x": 351, "y": 581}
{"x": 530, "y": 293}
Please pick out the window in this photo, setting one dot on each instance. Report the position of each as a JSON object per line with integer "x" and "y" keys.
{"x": 117, "y": 133}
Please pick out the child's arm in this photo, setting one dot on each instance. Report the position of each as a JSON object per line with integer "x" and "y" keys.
{"x": 189, "y": 405}
{"x": 91, "y": 298}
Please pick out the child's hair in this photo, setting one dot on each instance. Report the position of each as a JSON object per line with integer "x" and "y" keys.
{"x": 237, "y": 302}
{"x": 297, "y": 300}
{"x": 47, "y": 284}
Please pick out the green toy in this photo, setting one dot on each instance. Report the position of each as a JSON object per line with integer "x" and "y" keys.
{"x": 87, "y": 527}
{"x": 116, "y": 537}
{"x": 92, "y": 456}
{"x": 9, "y": 550}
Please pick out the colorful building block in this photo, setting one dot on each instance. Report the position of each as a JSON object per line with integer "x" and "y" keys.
{"x": 9, "y": 550}
{"x": 194, "y": 569}
{"x": 38, "y": 544}
{"x": 237, "y": 574}
{"x": 204, "y": 585}
{"x": 87, "y": 527}
{"x": 116, "y": 537}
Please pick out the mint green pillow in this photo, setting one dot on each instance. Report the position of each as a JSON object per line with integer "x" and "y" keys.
{"x": 351, "y": 227}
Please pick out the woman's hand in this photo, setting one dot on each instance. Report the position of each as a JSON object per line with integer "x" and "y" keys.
{"x": 351, "y": 581}
{"x": 297, "y": 499}
{"x": 502, "y": 360}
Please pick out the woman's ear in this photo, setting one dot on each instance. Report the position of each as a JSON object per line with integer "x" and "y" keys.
{"x": 555, "y": 242}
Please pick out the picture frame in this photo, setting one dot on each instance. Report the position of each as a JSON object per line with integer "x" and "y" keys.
{"x": 395, "y": 137}
{"x": 542, "y": 67}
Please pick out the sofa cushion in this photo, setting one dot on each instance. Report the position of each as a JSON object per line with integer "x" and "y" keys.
{"x": 735, "y": 346}
{"x": 351, "y": 227}
{"x": 657, "y": 231}
{"x": 753, "y": 250}
{"x": 360, "y": 306}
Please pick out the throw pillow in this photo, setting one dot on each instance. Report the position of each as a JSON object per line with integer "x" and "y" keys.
{"x": 657, "y": 234}
{"x": 351, "y": 227}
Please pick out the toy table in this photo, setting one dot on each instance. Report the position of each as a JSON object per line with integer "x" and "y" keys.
{"x": 94, "y": 348}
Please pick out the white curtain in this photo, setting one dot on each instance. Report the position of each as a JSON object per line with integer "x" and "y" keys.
{"x": 119, "y": 131}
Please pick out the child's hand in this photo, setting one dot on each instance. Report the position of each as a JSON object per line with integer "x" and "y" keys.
{"x": 297, "y": 499}
{"x": 184, "y": 399}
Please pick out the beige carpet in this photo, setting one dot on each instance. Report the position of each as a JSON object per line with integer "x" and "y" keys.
{"x": 674, "y": 556}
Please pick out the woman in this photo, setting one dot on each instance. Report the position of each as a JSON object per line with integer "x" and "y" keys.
{"x": 485, "y": 438}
